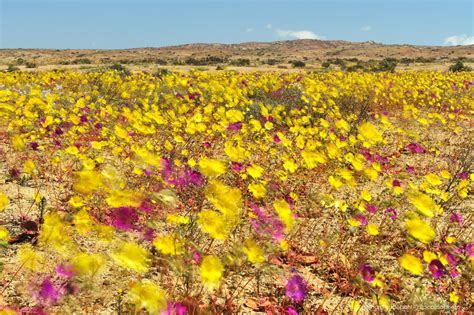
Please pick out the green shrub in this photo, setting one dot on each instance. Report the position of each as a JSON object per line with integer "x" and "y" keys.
{"x": 30, "y": 65}
{"x": 298, "y": 64}
{"x": 459, "y": 66}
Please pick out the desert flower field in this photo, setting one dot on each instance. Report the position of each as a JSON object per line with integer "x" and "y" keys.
{"x": 225, "y": 192}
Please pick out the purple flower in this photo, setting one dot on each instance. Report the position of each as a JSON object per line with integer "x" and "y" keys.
{"x": 367, "y": 272}
{"x": 58, "y": 131}
{"x": 65, "y": 271}
{"x": 436, "y": 268}
{"x": 175, "y": 308}
{"x": 236, "y": 167}
{"x": 392, "y": 212}
{"x": 123, "y": 218}
{"x": 470, "y": 250}
{"x": 296, "y": 288}
{"x": 452, "y": 260}
{"x": 276, "y": 139}
{"x": 396, "y": 183}
{"x": 463, "y": 175}
{"x": 362, "y": 219}
{"x": 48, "y": 293}
{"x": 235, "y": 126}
{"x": 456, "y": 217}
{"x": 34, "y": 145}
{"x": 410, "y": 169}
{"x": 291, "y": 311}
{"x": 415, "y": 148}
{"x": 83, "y": 119}
{"x": 370, "y": 208}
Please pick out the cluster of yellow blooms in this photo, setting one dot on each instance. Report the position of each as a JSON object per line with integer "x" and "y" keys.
{"x": 175, "y": 186}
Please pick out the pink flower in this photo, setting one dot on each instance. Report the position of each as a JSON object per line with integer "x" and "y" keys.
{"x": 367, "y": 272}
{"x": 296, "y": 288}
{"x": 48, "y": 293}
{"x": 123, "y": 218}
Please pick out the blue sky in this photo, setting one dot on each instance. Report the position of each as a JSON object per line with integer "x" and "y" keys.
{"x": 145, "y": 23}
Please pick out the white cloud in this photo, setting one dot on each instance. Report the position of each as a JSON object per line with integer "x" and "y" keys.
{"x": 366, "y": 28}
{"x": 459, "y": 40}
{"x": 248, "y": 30}
{"x": 304, "y": 34}
{"x": 269, "y": 26}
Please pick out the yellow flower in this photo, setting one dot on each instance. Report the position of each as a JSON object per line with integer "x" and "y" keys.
{"x": 213, "y": 223}
{"x": 258, "y": 190}
{"x": 254, "y": 252}
{"x": 453, "y": 297}
{"x": 83, "y": 222}
{"x": 366, "y": 195}
{"x": 423, "y": 203}
{"x": 433, "y": 179}
{"x": 211, "y": 271}
{"x": 87, "y": 182}
{"x": 169, "y": 245}
{"x": 284, "y": 213}
{"x": 73, "y": 150}
{"x": 149, "y": 296}
{"x": 31, "y": 258}
{"x": 132, "y": 256}
{"x": 76, "y": 201}
{"x": 372, "y": 229}
{"x": 226, "y": 199}
{"x": 124, "y": 198}
{"x": 29, "y": 167}
{"x": 177, "y": 219}
{"x": 420, "y": 230}
{"x": 4, "y": 201}
{"x": 88, "y": 265}
{"x": 369, "y": 134}
{"x": 4, "y": 235}
{"x": 411, "y": 263}
{"x": 212, "y": 167}
{"x": 255, "y": 171}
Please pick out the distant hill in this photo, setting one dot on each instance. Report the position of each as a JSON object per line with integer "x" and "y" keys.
{"x": 280, "y": 51}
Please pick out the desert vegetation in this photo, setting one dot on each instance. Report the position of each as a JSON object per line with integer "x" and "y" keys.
{"x": 225, "y": 192}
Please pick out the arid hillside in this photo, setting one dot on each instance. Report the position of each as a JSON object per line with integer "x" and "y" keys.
{"x": 244, "y": 54}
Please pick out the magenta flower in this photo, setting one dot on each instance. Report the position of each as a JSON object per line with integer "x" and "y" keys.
{"x": 392, "y": 213}
{"x": 464, "y": 175}
{"x": 175, "y": 308}
{"x": 276, "y": 139}
{"x": 436, "y": 268}
{"x": 236, "y": 167}
{"x": 234, "y": 126}
{"x": 470, "y": 250}
{"x": 296, "y": 288}
{"x": 58, "y": 131}
{"x": 367, "y": 272}
{"x": 362, "y": 219}
{"x": 291, "y": 311}
{"x": 123, "y": 218}
{"x": 456, "y": 217}
{"x": 415, "y": 148}
{"x": 370, "y": 208}
{"x": 454, "y": 273}
{"x": 48, "y": 293}
{"x": 83, "y": 119}
{"x": 65, "y": 271}
{"x": 197, "y": 257}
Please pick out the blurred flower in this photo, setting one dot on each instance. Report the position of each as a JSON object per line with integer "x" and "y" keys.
{"x": 296, "y": 288}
